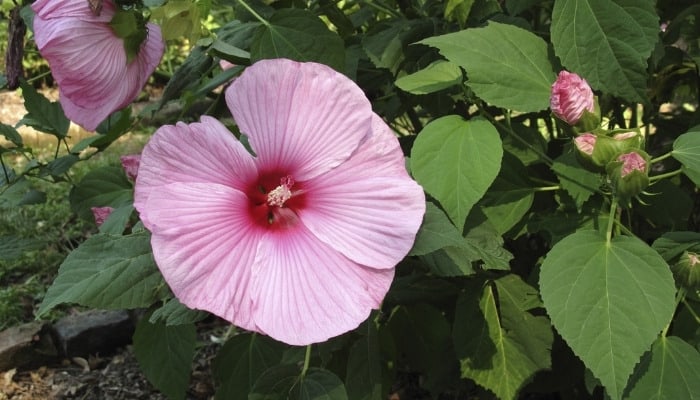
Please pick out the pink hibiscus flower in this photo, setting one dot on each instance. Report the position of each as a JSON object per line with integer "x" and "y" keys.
{"x": 300, "y": 240}
{"x": 88, "y": 60}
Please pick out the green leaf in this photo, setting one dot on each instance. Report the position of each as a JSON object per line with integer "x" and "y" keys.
{"x": 502, "y": 352}
{"x": 241, "y": 361}
{"x": 673, "y": 244}
{"x": 608, "y": 300}
{"x": 510, "y": 196}
{"x": 42, "y": 114}
{"x": 165, "y": 355}
{"x": 117, "y": 220}
{"x": 578, "y": 182}
{"x": 686, "y": 149}
{"x": 101, "y": 187}
{"x": 436, "y": 76}
{"x": 506, "y": 66}
{"x": 364, "y": 369}
{"x": 384, "y": 44}
{"x": 11, "y": 134}
{"x": 188, "y": 76}
{"x": 275, "y": 383}
{"x": 422, "y": 337}
{"x": 109, "y": 272}
{"x": 607, "y": 42}
{"x": 319, "y": 384}
{"x": 450, "y": 261}
{"x": 528, "y": 154}
{"x": 456, "y": 161}
{"x": 435, "y": 233}
{"x": 670, "y": 371}
{"x": 175, "y": 313}
{"x": 298, "y": 35}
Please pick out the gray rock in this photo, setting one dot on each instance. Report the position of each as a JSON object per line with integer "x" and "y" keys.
{"x": 26, "y": 346}
{"x": 91, "y": 332}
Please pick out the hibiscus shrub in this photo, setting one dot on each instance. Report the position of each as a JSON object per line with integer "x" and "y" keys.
{"x": 460, "y": 199}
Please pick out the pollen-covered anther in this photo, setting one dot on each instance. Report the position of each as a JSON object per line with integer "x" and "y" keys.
{"x": 279, "y": 195}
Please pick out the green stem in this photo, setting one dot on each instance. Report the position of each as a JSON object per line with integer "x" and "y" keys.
{"x": 517, "y": 137}
{"x": 664, "y": 176}
{"x": 547, "y": 188}
{"x": 691, "y": 311}
{"x": 36, "y": 78}
{"x": 307, "y": 359}
{"x": 660, "y": 158}
{"x": 611, "y": 220}
{"x": 255, "y": 14}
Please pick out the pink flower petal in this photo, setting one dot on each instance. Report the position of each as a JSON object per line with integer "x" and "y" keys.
{"x": 368, "y": 208}
{"x": 305, "y": 292}
{"x": 204, "y": 152}
{"x": 130, "y": 163}
{"x": 302, "y": 118}
{"x": 89, "y": 61}
{"x": 204, "y": 246}
{"x": 101, "y": 214}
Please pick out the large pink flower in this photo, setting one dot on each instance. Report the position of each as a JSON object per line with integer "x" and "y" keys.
{"x": 300, "y": 240}
{"x": 89, "y": 61}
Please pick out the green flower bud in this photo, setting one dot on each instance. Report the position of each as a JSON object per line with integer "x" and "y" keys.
{"x": 585, "y": 145}
{"x": 687, "y": 270}
{"x": 628, "y": 175}
{"x": 607, "y": 148}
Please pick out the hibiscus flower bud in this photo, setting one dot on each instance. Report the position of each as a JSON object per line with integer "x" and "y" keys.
{"x": 687, "y": 270}
{"x": 130, "y": 163}
{"x": 585, "y": 145}
{"x": 609, "y": 147}
{"x": 628, "y": 175}
{"x": 101, "y": 214}
{"x": 572, "y": 101}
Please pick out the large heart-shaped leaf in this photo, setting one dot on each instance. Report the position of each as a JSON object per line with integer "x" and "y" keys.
{"x": 607, "y": 42}
{"x": 686, "y": 149}
{"x": 456, "y": 161}
{"x": 594, "y": 290}
{"x": 507, "y": 66}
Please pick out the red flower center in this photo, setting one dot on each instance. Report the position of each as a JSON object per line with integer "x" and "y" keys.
{"x": 275, "y": 199}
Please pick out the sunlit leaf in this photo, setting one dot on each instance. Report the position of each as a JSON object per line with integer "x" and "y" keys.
{"x": 472, "y": 150}
{"x": 607, "y": 42}
{"x": 686, "y": 149}
{"x": 671, "y": 370}
{"x": 595, "y": 290}
{"x": 506, "y": 66}
{"x": 436, "y": 76}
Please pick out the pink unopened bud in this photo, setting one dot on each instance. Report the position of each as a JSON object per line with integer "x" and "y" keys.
{"x": 632, "y": 162}
{"x": 101, "y": 214}
{"x": 130, "y": 164}
{"x": 571, "y": 96}
{"x": 585, "y": 143}
{"x": 625, "y": 135}
{"x": 226, "y": 64}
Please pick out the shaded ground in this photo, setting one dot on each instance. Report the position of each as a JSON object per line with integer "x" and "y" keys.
{"x": 113, "y": 377}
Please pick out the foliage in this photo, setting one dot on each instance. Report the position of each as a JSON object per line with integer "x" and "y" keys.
{"x": 536, "y": 270}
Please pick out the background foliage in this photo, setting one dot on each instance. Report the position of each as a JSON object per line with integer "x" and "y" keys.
{"x": 527, "y": 279}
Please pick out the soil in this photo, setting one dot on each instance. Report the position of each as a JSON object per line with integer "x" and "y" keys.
{"x": 115, "y": 377}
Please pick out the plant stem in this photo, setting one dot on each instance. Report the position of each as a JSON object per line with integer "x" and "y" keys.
{"x": 666, "y": 175}
{"x": 547, "y": 188}
{"x": 255, "y": 14}
{"x": 36, "y": 78}
{"x": 611, "y": 220}
{"x": 307, "y": 359}
{"x": 662, "y": 157}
